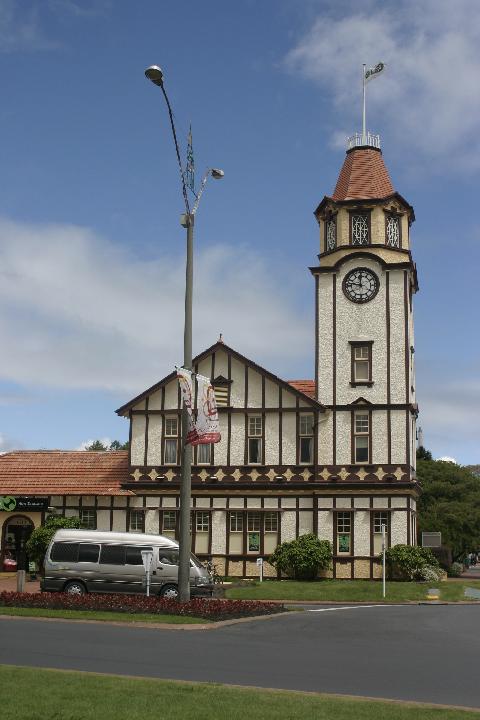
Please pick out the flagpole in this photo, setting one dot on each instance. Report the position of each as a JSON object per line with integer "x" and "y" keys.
{"x": 364, "y": 123}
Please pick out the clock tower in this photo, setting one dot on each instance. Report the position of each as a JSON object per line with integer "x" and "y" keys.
{"x": 364, "y": 357}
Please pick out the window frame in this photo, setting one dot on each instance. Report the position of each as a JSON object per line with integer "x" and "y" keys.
{"x": 341, "y": 516}
{"x": 139, "y": 515}
{"x": 200, "y": 525}
{"x": 396, "y": 216}
{"x": 356, "y": 434}
{"x": 197, "y": 451}
{"x": 253, "y": 435}
{"x": 170, "y": 512}
{"x": 87, "y": 526}
{"x": 306, "y": 434}
{"x": 169, "y": 436}
{"x": 368, "y": 216}
{"x": 330, "y": 219}
{"x": 354, "y": 345}
{"x": 252, "y": 521}
{"x": 375, "y": 533}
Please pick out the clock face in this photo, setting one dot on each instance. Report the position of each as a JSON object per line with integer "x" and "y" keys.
{"x": 361, "y": 285}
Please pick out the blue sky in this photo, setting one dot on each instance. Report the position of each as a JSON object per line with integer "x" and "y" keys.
{"x": 91, "y": 250}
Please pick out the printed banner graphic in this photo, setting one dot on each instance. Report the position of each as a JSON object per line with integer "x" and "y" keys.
{"x": 203, "y": 429}
{"x": 207, "y": 415}
{"x": 185, "y": 380}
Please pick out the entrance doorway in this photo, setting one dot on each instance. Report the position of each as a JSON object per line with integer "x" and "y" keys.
{"x": 16, "y": 531}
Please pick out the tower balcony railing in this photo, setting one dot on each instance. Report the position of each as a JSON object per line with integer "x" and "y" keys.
{"x": 360, "y": 140}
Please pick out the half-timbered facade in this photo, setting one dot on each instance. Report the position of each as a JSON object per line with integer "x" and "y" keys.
{"x": 335, "y": 455}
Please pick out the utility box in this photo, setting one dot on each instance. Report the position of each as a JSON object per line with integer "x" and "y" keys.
{"x": 431, "y": 539}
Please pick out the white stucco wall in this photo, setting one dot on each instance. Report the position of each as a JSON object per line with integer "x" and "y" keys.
{"x": 399, "y": 527}
{"x": 220, "y": 448}
{"x": 289, "y": 442}
{"x": 154, "y": 454}
{"x": 271, "y": 439}
{"x": 137, "y": 447}
{"x": 288, "y": 528}
{"x": 219, "y": 545}
{"x": 254, "y": 389}
{"x": 325, "y": 336}
{"x": 237, "y": 388}
{"x": 398, "y": 436}
{"x": 237, "y": 439}
{"x": 379, "y": 437}
{"x": 361, "y": 532}
{"x": 325, "y": 525}
{"x": 344, "y": 434}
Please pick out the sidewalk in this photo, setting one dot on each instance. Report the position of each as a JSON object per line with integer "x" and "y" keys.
{"x": 8, "y": 583}
{"x": 473, "y": 573}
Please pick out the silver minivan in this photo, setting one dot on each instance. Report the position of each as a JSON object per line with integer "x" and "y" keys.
{"x": 80, "y": 561}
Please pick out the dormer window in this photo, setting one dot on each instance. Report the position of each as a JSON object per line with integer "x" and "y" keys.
{"x": 359, "y": 228}
{"x": 392, "y": 231}
{"x": 331, "y": 234}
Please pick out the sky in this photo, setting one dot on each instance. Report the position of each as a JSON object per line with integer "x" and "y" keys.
{"x": 91, "y": 249}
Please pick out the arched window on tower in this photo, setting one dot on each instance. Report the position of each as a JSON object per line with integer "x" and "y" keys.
{"x": 359, "y": 228}
{"x": 330, "y": 233}
{"x": 392, "y": 231}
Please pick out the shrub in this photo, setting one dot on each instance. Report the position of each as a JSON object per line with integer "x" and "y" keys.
{"x": 303, "y": 558}
{"x": 405, "y": 561}
{"x": 39, "y": 540}
{"x": 455, "y": 569}
{"x": 198, "y": 607}
{"x": 429, "y": 574}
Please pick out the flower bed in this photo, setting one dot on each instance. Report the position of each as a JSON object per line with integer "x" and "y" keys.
{"x": 210, "y": 609}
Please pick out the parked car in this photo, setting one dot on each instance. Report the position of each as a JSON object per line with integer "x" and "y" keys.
{"x": 9, "y": 564}
{"x": 80, "y": 561}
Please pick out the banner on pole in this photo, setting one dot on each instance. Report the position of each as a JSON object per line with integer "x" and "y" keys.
{"x": 374, "y": 72}
{"x": 185, "y": 380}
{"x": 202, "y": 429}
{"x": 207, "y": 413}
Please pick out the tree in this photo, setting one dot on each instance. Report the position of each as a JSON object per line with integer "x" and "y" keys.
{"x": 99, "y": 446}
{"x": 423, "y": 454}
{"x": 450, "y": 504}
{"x": 39, "y": 540}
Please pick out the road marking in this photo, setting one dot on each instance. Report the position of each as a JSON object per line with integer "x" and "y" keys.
{"x": 350, "y": 607}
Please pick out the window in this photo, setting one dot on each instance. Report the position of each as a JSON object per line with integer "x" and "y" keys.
{"x": 331, "y": 234}
{"x": 136, "y": 521}
{"x": 169, "y": 520}
{"x": 168, "y": 556}
{"x": 361, "y": 363}
{"x": 113, "y": 554}
{"x": 253, "y": 532}
{"x": 88, "y": 552}
{"x": 204, "y": 454}
{"x": 392, "y": 231}
{"x": 344, "y": 533}
{"x": 359, "y": 229}
{"x": 271, "y": 522}
{"x": 236, "y": 522}
{"x": 88, "y": 519}
{"x": 306, "y": 439}
{"x": 361, "y": 437}
{"x": 171, "y": 440}
{"x": 64, "y": 552}
{"x": 254, "y": 439}
{"x": 379, "y": 519}
{"x": 133, "y": 555}
{"x": 202, "y": 521}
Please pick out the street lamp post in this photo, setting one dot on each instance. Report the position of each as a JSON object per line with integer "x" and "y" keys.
{"x": 187, "y": 220}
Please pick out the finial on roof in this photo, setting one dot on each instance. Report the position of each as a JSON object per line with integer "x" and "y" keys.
{"x": 220, "y": 338}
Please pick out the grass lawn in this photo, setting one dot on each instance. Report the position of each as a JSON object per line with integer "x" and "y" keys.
{"x": 102, "y": 615}
{"x": 56, "y": 695}
{"x": 347, "y": 590}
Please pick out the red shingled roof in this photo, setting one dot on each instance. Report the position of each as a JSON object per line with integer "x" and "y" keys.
{"x": 307, "y": 387}
{"x": 363, "y": 176}
{"x": 63, "y": 472}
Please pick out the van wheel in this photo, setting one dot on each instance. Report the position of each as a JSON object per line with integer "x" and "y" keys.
{"x": 75, "y": 588}
{"x": 169, "y": 592}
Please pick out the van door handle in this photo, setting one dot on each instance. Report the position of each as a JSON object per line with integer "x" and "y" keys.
{"x": 154, "y": 572}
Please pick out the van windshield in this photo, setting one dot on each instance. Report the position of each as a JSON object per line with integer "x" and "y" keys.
{"x": 195, "y": 561}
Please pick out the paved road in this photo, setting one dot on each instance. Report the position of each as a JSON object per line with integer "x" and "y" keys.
{"x": 425, "y": 653}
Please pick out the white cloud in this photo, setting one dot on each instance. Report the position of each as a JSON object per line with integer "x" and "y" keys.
{"x": 429, "y": 97}
{"x": 8, "y": 443}
{"x": 447, "y": 459}
{"x": 20, "y": 28}
{"x": 76, "y": 311}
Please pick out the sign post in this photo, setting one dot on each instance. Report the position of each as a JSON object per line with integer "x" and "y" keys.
{"x": 383, "y": 559}
{"x": 147, "y": 557}
{"x": 260, "y": 565}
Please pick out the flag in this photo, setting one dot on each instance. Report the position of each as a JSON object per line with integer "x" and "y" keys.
{"x": 185, "y": 380}
{"x": 190, "y": 169}
{"x": 207, "y": 413}
{"x": 372, "y": 73}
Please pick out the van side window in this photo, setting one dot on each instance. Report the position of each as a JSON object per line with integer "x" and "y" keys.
{"x": 168, "y": 556}
{"x": 64, "y": 552}
{"x": 134, "y": 554}
{"x": 113, "y": 555}
{"x": 88, "y": 552}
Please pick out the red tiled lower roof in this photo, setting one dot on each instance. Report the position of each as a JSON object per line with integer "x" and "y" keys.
{"x": 64, "y": 472}
{"x": 307, "y": 387}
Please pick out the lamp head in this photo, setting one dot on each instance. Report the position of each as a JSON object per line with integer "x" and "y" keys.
{"x": 155, "y": 74}
{"x": 217, "y": 174}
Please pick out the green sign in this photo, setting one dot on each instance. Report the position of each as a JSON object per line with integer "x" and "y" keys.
{"x": 254, "y": 542}
{"x": 7, "y": 503}
{"x": 344, "y": 543}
